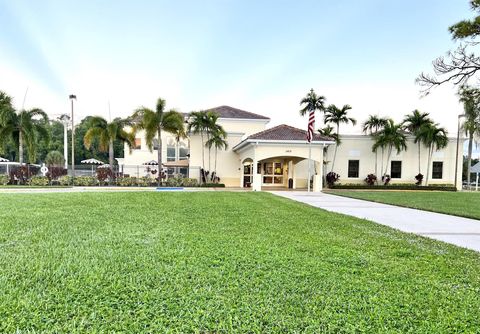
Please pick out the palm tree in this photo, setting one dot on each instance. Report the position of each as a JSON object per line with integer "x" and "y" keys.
{"x": 336, "y": 115}
{"x": 434, "y": 138}
{"x": 312, "y": 102}
{"x": 197, "y": 124}
{"x": 24, "y": 128}
{"x": 470, "y": 97}
{"x": 372, "y": 125}
{"x": 211, "y": 128}
{"x": 413, "y": 123}
{"x": 328, "y": 132}
{"x": 390, "y": 137}
{"x": 107, "y": 133}
{"x": 217, "y": 140}
{"x": 153, "y": 122}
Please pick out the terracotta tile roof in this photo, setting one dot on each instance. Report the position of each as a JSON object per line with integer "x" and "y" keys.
{"x": 229, "y": 112}
{"x": 286, "y": 132}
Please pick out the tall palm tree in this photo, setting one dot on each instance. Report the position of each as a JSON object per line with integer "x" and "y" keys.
{"x": 328, "y": 132}
{"x": 372, "y": 125}
{"x": 218, "y": 140}
{"x": 107, "y": 133}
{"x": 470, "y": 97}
{"x": 153, "y": 122}
{"x": 336, "y": 115}
{"x": 434, "y": 138}
{"x": 24, "y": 128}
{"x": 390, "y": 137}
{"x": 312, "y": 102}
{"x": 197, "y": 124}
{"x": 211, "y": 128}
{"x": 413, "y": 122}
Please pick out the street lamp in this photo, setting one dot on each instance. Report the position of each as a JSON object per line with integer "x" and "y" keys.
{"x": 65, "y": 119}
{"x": 458, "y": 142}
{"x": 73, "y": 97}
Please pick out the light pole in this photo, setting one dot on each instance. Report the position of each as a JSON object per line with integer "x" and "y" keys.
{"x": 456, "y": 154}
{"x": 73, "y": 97}
{"x": 65, "y": 119}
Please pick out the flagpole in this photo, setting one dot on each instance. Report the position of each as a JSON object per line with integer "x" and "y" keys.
{"x": 309, "y": 165}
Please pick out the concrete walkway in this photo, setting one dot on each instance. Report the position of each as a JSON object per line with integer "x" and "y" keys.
{"x": 459, "y": 231}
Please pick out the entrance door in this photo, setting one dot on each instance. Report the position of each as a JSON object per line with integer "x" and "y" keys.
{"x": 272, "y": 173}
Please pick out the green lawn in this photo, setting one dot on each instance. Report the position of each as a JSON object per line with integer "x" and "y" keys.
{"x": 464, "y": 204}
{"x": 221, "y": 262}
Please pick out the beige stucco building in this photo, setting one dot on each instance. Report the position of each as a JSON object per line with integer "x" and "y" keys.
{"x": 278, "y": 157}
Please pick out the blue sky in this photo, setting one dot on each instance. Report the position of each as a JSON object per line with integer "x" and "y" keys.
{"x": 262, "y": 56}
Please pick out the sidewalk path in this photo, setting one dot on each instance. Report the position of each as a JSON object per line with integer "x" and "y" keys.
{"x": 459, "y": 231}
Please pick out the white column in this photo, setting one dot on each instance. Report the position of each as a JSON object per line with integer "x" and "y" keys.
{"x": 256, "y": 178}
{"x": 241, "y": 176}
{"x": 294, "y": 176}
{"x": 317, "y": 178}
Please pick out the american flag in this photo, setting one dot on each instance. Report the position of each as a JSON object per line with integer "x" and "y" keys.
{"x": 311, "y": 125}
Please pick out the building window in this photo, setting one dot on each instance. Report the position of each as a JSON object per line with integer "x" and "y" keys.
{"x": 138, "y": 144}
{"x": 171, "y": 149}
{"x": 182, "y": 150}
{"x": 396, "y": 169}
{"x": 353, "y": 167}
{"x": 437, "y": 170}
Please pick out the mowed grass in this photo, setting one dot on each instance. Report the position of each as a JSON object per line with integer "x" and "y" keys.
{"x": 464, "y": 204}
{"x": 151, "y": 262}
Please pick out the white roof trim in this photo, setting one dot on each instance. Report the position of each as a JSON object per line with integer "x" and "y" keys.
{"x": 280, "y": 142}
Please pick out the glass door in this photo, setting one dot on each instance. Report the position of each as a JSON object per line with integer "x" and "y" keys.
{"x": 272, "y": 173}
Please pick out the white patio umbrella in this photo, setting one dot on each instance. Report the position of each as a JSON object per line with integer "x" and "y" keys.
{"x": 104, "y": 166}
{"x": 92, "y": 162}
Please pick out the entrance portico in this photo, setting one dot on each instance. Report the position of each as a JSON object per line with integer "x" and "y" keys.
{"x": 278, "y": 158}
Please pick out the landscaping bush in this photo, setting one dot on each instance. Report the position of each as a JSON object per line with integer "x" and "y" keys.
{"x": 54, "y": 172}
{"x": 85, "y": 181}
{"x": 419, "y": 178}
{"x": 398, "y": 186}
{"x": 4, "y": 179}
{"x": 104, "y": 175}
{"x": 144, "y": 181}
{"x": 126, "y": 181}
{"x": 65, "y": 180}
{"x": 39, "y": 181}
{"x": 386, "y": 179}
{"x": 176, "y": 181}
{"x": 371, "y": 179}
{"x": 212, "y": 185}
{"x": 189, "y": 182}
{"x": 21, "y": 174}
{"x": 331, "y": 178}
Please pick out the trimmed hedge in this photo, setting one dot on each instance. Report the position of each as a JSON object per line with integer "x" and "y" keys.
{"x": 212, "y": 185}
{"x": 41, "y": 181}
{"x": 447, "y": 187}
{"x": 4, "y": 179}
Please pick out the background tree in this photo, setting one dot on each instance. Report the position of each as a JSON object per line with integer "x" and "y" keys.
{"x": 25, "y": 128}
{"x": 461, "y": 64}
{"x": 312, "y": 102}
{"x": 212, "y": 128}
{"x": 391, "y": 137}
{"x": 218, "y": 141}
{"x": 106, "y": 133}
{"x": 413, "y": 123}
{"x": 197, "y": 124}
{"x": 335, "y": 115}
{"x": 434, "y": 138}
{"x": 371, "y": 126}
{"x": 55, "y": 158}
{"x": 328, "y": 131}
{"x": 154, "y": 122}
{"x": 470, "y": 97}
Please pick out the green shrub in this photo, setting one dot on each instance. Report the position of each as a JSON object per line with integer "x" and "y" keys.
{"x": 126, "y": 181}
{"x": 189, "y": 182}
{"x": 395, "y": 186}
{"x": 144, "y": 181}
{"x": 85, "y": 181}
{"x": 176, "y": 181}
{"x": 4, "y": 179}
{"x": 39, "y": 181}
{"x": 212, "y": 185}
{"x": 65, "y": 180}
